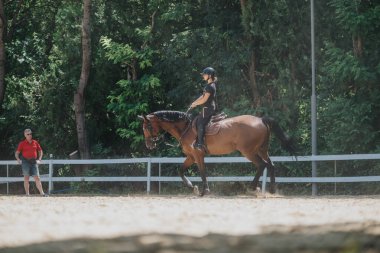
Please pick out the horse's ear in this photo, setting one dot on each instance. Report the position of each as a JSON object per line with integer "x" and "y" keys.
{"x": 142, "y": 117}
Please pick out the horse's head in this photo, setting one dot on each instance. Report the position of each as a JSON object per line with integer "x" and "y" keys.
{"x": 163, "y": 120}
{"x": 151, "y": 130}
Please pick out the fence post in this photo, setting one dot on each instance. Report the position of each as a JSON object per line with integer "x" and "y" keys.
{"x": 7, "y": 178}
{"x": 335, "y": 176}
{"x": 159, "y": 175}
{"x": 148, "y": 175}
{"x": 264, "y": 181}
{"x": 50, "y": 174}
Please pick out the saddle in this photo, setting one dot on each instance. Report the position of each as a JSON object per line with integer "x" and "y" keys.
{"x": 212, "y": 127}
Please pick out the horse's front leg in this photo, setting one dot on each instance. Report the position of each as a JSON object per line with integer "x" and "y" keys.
{"x": 202, "y": 171}
{"x": 186, "y": 164}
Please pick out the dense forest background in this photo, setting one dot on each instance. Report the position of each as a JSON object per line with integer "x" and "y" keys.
{"x": 147, "y": 56}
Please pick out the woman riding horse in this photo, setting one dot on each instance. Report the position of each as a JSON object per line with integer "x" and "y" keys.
{"x": 208, "y": 102}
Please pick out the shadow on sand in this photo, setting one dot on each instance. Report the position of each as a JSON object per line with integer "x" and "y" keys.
{"x": 345, "y": 238}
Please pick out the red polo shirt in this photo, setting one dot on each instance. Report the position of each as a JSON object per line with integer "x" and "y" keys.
{"x": 29, "y": 150}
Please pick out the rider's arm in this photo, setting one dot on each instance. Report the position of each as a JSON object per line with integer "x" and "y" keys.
{"x": 201, "y": 100}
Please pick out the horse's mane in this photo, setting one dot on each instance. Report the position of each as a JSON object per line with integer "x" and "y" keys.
{"x": 171, "y": 115}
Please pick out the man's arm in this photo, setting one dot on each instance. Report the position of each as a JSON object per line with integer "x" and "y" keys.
{"x": 40, "y": 154}
{"x": 17, "y": 155}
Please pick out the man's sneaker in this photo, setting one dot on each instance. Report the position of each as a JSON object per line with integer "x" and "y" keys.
{"x": 44, "y": 195}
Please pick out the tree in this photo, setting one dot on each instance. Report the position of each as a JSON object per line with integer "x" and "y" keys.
{"x": 79, "y": 96}
{"x": 147, "y": 55}
{"x": 3, "y": 27}
{"x": 248, "y": 15}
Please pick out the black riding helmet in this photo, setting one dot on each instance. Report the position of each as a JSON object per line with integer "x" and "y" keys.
{"x": 209, "y": 71}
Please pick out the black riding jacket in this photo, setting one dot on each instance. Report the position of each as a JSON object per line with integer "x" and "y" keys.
{"x": 211, "y": 101}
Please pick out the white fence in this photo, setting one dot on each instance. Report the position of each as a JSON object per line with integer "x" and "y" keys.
{"x": 179, "y": 160}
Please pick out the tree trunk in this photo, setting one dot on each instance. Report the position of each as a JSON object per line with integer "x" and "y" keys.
{"x": 246, "y": 16}
{"x": 357, "y": 43}
{"x": 2, "y": 53}
{"x": 253, "y": 81}
{"x": 14, "y": 20}
{"x": 79, "y": 99}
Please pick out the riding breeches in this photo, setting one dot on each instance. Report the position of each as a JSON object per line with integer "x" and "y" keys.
{"x": 203, "y": 120}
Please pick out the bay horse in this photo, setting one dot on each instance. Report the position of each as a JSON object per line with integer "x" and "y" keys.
{"x": 248, "y": 134}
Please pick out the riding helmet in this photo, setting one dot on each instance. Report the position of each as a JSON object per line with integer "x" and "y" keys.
{"x": 209, "y": 71}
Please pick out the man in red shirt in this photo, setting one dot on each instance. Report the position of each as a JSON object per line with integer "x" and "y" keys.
{"x": 31, "y": 152}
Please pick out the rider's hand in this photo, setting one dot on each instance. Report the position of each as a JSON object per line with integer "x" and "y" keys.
{"x": 18, "y": 161}
{"x": 193, "y": 105}
{"x": 38, "y": 161}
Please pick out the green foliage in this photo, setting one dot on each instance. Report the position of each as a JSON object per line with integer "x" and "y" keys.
{"x": 357, "y": 16}
{"x": 147, "y": 56}
{"x": 344, "y": 68}
{"x": 133, "y": 97}
{"x": 343, "y": 123}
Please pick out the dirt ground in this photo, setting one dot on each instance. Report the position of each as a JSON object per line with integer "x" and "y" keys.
{"x": 168, "y": 224}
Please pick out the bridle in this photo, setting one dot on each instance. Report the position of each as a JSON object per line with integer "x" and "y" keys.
{"x": 152, "y": 138}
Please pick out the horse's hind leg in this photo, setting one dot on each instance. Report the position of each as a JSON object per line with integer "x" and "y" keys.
{"x": 186, "y": 164}
{"x": 270, "y": 166}
{"x": 271, "y": 170}
{"x": 260, "y": 165}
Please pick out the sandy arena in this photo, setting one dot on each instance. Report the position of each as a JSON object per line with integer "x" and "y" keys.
{"x": 189, "y": 224}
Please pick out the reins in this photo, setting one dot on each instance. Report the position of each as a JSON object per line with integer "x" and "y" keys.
{"x": 183, "y": 133}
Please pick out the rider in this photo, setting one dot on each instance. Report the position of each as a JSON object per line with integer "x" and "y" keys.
{"x": 208, "y": 102}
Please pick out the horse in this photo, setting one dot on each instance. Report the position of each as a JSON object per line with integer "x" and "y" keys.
{"x": 247, "y": 134}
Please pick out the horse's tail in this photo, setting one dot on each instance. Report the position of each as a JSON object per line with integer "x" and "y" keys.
{"x": 286, "y": 142}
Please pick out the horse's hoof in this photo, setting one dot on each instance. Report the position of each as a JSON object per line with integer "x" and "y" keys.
{"x": 256, "y": 192}
{"x": 205, "y": 192}
{"x": 195, "y": 190}
{"x": 250, "y": 192}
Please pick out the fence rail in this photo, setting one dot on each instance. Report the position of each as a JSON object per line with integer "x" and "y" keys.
{"x": 178, "y": 160}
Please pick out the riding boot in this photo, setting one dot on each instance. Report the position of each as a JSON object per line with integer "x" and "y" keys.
{"x": 200, "y": 142}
